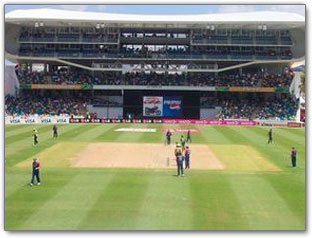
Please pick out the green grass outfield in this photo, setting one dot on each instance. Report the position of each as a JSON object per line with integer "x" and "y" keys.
{"x": 154, "y": 199}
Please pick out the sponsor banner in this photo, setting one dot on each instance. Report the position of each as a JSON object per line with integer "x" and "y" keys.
{"x": 107, "y": 121}
{"x": 172, "y": 107}
{"x": 169, "y": 121}
{"x": 59, "y": 87}
{"x": 222, "y": 89}
{"x": 272, "y": 124}
{"x": 136, "y": 130}
{"x": 46, "y": 120}
{"x": 251, "y": 89}
{"x": 85, "y": 120}
{"x": 157, "y": 121}
{"x": 152, "y": 106}
{"x": 180, "y": 130}
{"x": 281, "y": 89}
{"x": 13, "y": 121}
{"x": 210, "y": 122}
{"x": 86, "y": 87}
{"x": 294, "y": 124}
{"x": 204, "y": 88}
{"x": 25, "y": 86}
{"x": 36, "y": 120}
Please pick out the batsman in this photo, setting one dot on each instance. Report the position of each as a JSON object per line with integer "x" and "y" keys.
{"x": 179, "y": 158}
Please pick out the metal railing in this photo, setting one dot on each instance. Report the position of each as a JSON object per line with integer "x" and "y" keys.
{"x": 212, "y": 56}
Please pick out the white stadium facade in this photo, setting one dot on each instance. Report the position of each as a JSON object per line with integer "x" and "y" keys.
{"x": 204, "y": 65}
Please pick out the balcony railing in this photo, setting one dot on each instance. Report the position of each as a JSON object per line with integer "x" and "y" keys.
{"x": 243, "y": 40}
{"x": 244, "y": 56}
{"x": 67, "y": 39}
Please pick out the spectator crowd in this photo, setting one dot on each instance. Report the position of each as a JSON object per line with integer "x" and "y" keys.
{"x": 56, "y": 104}
{"x": 277, "y": 108}
{"x": 30, "y": 104}
{"x": 57, "y": 77}
{"x": 283, "y": 108}
{"x": 65, "y": 77}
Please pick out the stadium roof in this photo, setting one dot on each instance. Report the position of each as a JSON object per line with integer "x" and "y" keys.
{"x": 66, "y": 15}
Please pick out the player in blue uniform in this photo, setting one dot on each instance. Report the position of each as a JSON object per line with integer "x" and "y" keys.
{"x": 293, "y": 154}
{"x": 270, "y": 135}
{"x": 35, "y": 172}
{"x": 168, "y": 137}
{"x": 55, "y": 134}
{"x": 188, "y": 138}
{"x": 187, "y": 154}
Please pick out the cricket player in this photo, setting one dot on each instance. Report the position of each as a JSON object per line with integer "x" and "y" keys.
{"x": 187, "y": 154}
{"x": 35, "y": 135}
{"x": 293, "y": 155}
{"x": 270, "y": 135}
{"x": 179, "y": 159}
{"x": 35, "y": 172}
{"x": 168, "y": 137}
{"x": 183, "y": 141}
{"x": 188, "y": 138}
{"x": 55, "y": 131}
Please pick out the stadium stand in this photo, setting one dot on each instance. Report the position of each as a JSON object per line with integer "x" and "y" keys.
{"x": 138, "y": 78}
{"x": 230, "y": 68}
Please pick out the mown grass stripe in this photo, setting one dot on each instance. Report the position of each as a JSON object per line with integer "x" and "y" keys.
{"x": 131, "y": 137}
{"x": 17, "y": 178}
{"x": 208, "y": 199}
{"x": 10, "y": 128}
{"x": 158, "y": 136}
{"x": 300, "y": 132}
{"x": 15, "y": 138}
{"x": 279, "y": 151}
{"x": 285, "y": 134}
{"x": 167, "y": 204}
{"x": 89, "y": 135}
{"x": 72, "y": 201}
{"x": 296, "y": 140}
{"x": 109, "y": 135}
{"x": 19, "y": 151}
{"x": 257, "y": 138}
{"x": 27, "y": 142}
{"x": 212, "y": 135}
{"x": 118, "y": 206}
{"x": 215, "y": 205}
{"x": 290, "y": 187}
{"x": 122, "y": 137}
{"x": 234, "y": 134}
{"x": 261, "y": 205}
{"x": 25, "y": 201}
{"x": 77, "y": 130}
{"x": 26, "y": 128}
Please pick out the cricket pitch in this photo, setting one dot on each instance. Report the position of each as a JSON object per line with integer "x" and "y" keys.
{"x": 156, "y": 156}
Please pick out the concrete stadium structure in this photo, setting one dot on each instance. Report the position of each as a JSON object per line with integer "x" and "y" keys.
{"x": 100, "y": 43}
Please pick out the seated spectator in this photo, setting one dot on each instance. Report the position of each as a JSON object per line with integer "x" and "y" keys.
{"x": 248, "y": 79}
{"x": 283, "y": 108}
